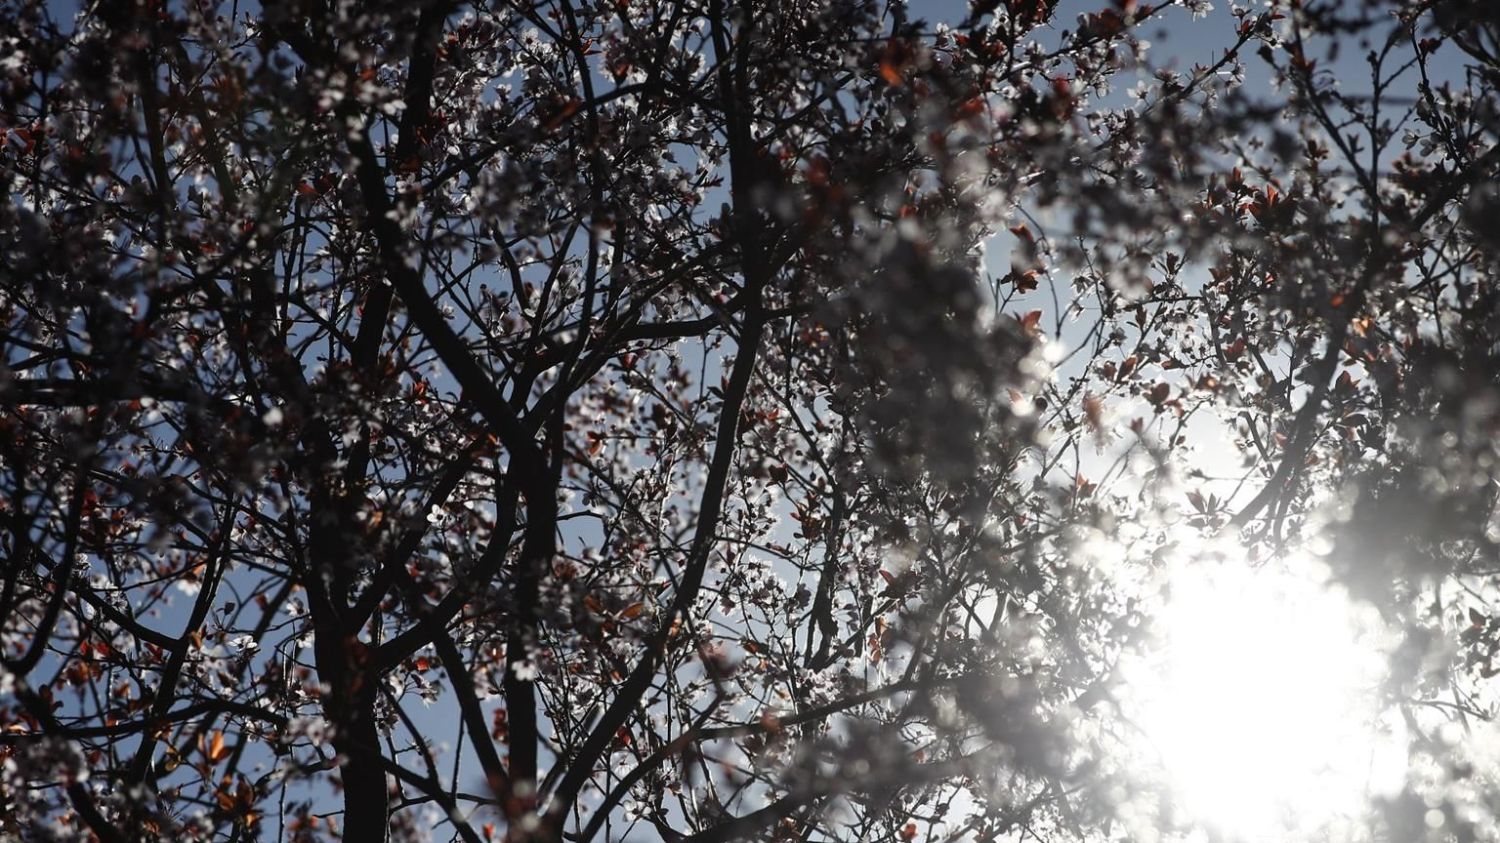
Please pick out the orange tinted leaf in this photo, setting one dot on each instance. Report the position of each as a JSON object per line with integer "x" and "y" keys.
{"x": 890, "y": 73}
{"x": 1025, "y": 281}
{"x": 894, "y": 60}
{"x": 217, "y": 751}
{"x": 567, "y": 109}
{"x": 1093, "y": 411}
{"x": 971, "y": 107}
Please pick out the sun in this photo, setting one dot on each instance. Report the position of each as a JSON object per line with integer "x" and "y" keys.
{"x": 1261, "y": 701}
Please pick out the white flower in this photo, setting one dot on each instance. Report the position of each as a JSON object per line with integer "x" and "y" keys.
{"x": 312, "y": 727}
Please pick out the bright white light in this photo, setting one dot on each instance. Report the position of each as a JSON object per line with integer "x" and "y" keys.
{"x": 1263, "y": 701}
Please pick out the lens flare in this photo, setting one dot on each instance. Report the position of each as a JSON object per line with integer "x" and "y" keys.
{"x": 1262, "y": 701}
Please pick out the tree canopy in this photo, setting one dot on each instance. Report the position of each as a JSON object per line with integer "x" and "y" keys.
{"x": 733, "y": 419}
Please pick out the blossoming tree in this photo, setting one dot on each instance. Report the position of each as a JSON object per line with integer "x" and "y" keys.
{"x": 618, "y": 420}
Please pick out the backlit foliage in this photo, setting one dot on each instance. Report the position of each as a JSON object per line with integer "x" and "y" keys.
{"x": 619, "y": 419}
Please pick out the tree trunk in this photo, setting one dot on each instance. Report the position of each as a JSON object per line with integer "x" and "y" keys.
{"x": 350, "y": 708}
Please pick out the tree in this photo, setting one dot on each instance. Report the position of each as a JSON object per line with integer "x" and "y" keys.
{"x": 601, "y": 420}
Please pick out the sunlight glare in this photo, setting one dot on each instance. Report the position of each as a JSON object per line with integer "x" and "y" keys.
{"x": 1261, "y": 700}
